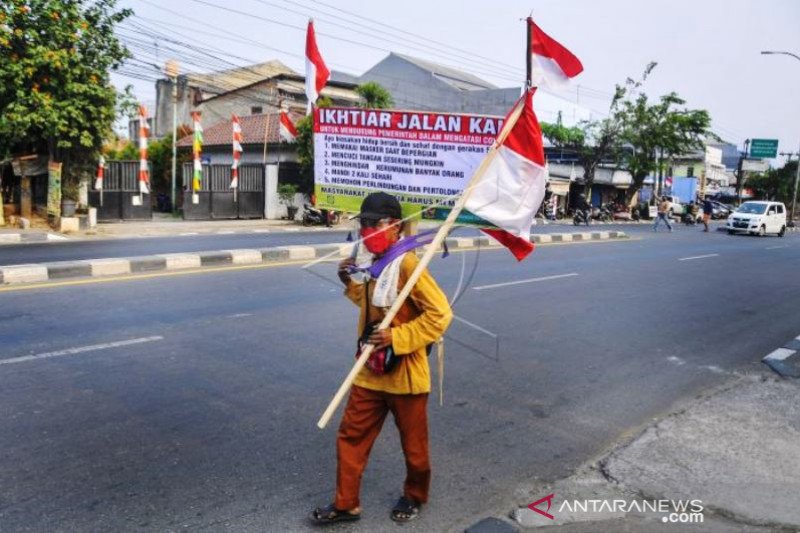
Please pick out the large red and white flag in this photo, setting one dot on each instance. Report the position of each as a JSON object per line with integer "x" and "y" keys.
{"x": 552, "y": 65}
{"x": 511, "y": 189}
{"x": 288, "y": 130}
{"x": 317, "y": 74}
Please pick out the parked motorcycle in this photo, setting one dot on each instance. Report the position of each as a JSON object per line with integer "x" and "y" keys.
{"x": 315, "y": 217}
{"x": 603, "y": 213}
{"x": 581, "y": 216}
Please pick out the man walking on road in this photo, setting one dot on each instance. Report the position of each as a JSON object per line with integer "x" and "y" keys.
{"x": 663, "y": 214}
{"x": 396, "y": 378}
{"x": 708, "y": 208}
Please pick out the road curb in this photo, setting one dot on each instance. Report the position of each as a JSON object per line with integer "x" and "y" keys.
{"x": 62, "y": 270}
{"x": 19, "y": 237}
{"x": 785, "y": 360}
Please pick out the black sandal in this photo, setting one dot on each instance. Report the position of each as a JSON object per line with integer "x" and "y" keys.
{"x": 405, "y": 510}
{"x": 330, "y": 514}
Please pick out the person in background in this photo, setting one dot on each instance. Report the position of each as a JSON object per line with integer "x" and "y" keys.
{"x": 663, "y": 214}
{"x": 708, "y": 208}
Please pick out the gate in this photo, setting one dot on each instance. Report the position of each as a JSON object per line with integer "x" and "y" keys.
{"x": 216, "y": 198}
{"x": 120, "y": 195}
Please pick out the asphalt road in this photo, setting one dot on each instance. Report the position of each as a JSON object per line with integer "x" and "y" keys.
{"x": 19, "y": 254}
{"x": 208, "y": 422}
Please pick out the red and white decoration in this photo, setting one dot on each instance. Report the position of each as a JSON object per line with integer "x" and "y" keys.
{"x": 144, "y": 172}
{"x": 288, "y": 131}
{"x": 101, "y": 167}
{"x": 510, "y": 191}
{"x": 236, "y": 127}
{"x": 317, "y": 74}
{"x": 552, "y": 65}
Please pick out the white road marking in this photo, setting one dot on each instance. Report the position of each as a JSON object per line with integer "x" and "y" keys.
{"x": 780, "y": 354}
{"x": 676, "y": 360}
{"x": 260, "y": 231}
{"x": 187, "y": 234}
{"x": 80, "y": 349}
{"x": 240, "y": 315}
{"x": 475, "y": 326}
{"x": 777, "y": 247}
{"x": 715, "y": 369}
{"x": 532, "y": 280}
{"x": 697, "y": 257}
{"x": 225, "y": 232}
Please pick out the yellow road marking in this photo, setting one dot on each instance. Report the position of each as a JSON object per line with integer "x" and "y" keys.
{"x": 207, "y": 270}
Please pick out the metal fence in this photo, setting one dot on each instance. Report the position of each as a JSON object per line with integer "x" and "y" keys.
{"x": 216, "y": 199}
{"x": 120, "y": 198}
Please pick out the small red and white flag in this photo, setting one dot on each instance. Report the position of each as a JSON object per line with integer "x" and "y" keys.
{"x": 511, "y": 189}
{"x": 236, "y": 128}
{"x": 552, "y": 65}
{"x": 101, "y": 168}
{"x": 144, "y": 171}
{"x": 317, "y": 74}
{"x": 288, "y": 130}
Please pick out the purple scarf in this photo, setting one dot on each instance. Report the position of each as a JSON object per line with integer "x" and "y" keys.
{"x": 406, "y": 244}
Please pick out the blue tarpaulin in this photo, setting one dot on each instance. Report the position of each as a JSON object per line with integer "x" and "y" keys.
{"x": 685, "y": 189}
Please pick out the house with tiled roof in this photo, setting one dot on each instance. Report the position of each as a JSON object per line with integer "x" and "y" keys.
{"x": 257, "y": 131}
{"x": 193, "y": 88}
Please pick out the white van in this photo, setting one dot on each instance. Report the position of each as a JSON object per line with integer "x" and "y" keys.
{"x": 758, "y": 218}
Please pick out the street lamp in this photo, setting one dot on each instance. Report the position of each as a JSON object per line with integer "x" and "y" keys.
{"x": 797, "y": 174}
{"x": 171, "y": 69}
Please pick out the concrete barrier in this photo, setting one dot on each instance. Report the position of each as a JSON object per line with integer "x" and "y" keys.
{"x": 181, "y": 261}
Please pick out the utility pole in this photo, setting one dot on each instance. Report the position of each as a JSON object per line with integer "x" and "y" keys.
{"x": 797, "y": 175}
{"x": 788, "y": 156}
{"x": 740, "y": 173}
{"x": 171, "y": 69}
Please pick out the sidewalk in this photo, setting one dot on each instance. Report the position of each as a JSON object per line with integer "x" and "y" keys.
{"x": 734, "y": 453}
{"x": 166, "y": 225}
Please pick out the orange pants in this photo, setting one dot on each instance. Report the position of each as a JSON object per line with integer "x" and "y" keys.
{"x": 362, "y": 421}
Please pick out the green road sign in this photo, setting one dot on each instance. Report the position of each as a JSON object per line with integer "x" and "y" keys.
{"x": 764, "y": 148}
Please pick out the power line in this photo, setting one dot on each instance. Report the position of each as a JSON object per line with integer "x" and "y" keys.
{"x": 384, "y": 37}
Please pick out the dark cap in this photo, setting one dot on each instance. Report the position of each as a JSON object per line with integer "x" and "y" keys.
{"x": 378, "y": 205}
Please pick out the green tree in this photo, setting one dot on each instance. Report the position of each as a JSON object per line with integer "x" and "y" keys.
{"x": 55, "y": 93}
{"x": 653, "y": 132}
{"x": 374, "y": 96}
{"x": 591, "y": 141}
{"x": 775, "y": 184}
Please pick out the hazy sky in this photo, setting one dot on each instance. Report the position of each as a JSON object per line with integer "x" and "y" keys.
{"x": 707, "y": 51}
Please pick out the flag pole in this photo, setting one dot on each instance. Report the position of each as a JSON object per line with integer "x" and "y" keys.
{"x": 266, "y": 133}
{"x": 424, "y": 261}
{"x": 528, "y": 52}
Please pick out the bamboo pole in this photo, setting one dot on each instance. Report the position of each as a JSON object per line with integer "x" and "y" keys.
{"x": 424, "y": 261}
{"x": 266, "y": 134}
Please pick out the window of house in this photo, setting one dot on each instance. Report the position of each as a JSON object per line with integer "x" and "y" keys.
{"x": 690, "y": 172}
{"x": 256, "y": 110}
